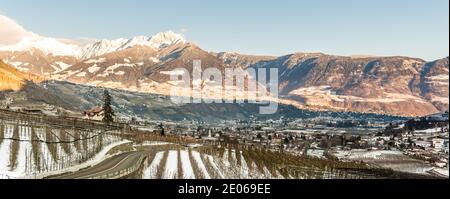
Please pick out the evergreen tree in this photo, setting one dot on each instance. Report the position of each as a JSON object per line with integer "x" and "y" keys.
{"x": 108, "y": 112}
{"x": 161, "y": 128}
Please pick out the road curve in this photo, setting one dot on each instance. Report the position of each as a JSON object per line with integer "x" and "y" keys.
{"x": 108, "y": 166}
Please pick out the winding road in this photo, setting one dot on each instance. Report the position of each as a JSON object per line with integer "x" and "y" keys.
{"x": 109, "y": 166}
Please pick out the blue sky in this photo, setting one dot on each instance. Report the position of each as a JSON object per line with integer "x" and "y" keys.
{"x": 417, "y": 28}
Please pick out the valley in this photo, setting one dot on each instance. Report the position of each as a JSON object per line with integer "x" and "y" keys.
{"x": 104, "y": 110}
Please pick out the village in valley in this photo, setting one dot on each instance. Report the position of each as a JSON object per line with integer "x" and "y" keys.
{"x": 422, "y": 143}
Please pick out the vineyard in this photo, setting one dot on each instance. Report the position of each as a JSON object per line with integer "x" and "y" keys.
{"x": 29, "y": 145}
{"x": 172, "y": 161}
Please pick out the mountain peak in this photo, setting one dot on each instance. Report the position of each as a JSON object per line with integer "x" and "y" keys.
{"x": 46, "y": 44}
{"x": 57, "y": 47}
{"x": 164, "y": 39}
{"x": 158, "y": 41}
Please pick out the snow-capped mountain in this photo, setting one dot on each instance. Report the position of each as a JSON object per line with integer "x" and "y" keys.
{"x": 49, "y": 46}
{"x": 158, "y": 41}
{"x": 55, "y": 47}
{"x": 46, "y": 56}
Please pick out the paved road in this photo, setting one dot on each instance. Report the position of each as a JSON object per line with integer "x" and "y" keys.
{"x": 108, "y": 166}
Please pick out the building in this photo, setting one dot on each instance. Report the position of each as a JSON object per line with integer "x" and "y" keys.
{"x": 423, "y": 144}
{"x": 95, "y": 113}
{"x": 438, "y": 143}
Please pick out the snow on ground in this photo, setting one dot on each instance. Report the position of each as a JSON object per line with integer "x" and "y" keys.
{"x": 188, "y": 173}
{"x": 150, "y": 172}
{"x": 244, "y": 168}
{"x": 155, "y": 59}
{"x": 94, "y": 61}
{"x": 175, "y": 72}
{"x": 194, "y": 145}
{"x": 119, "y": 73}
{"x": 443, "y": 100}
{"x": 395, "y": 160}
{"x": 267, "y": 173}
{"x": 214, "y": 165}
{"x": 82, "y": 74}
{"x": 326, "y": 93}
{"x": 46, "y": 158}
{"x": 171, "y": 168}
{"x": 62, "y": 65}
{"x": 363, "y": 154}
{"x": 24, "y": 156}
{"x": 231, "y": 170}
{"x": 439, "y": 77}
{"x": 99, "y": 157}
{"x": 441, "y": 171}
{"x": 116, "y": 66}
{"x": 152, "y": 143}
{"x": 433, "y": 130}
{"x": 55, "y": 68}
{"x": 200, "y": 164}
{"x": 93, "y": 69}
{"x": 315, "y": 153}
{"x": 15, "y": 64}
{"x": 4, "y": 152}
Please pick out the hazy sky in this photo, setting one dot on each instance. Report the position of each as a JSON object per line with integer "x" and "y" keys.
{"x": 417, "y": 28}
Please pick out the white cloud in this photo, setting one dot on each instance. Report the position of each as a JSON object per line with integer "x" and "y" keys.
{"x": 11, "y": 32}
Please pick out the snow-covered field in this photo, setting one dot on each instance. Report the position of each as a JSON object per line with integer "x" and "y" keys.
{"x": 429, "y": 131}
{"x": 395, "y": 160}
{"x": 20, "y": 157}
{"x": 209, "y": 167}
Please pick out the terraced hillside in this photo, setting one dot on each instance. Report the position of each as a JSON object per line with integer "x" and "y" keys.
{"x": 29, "y": 148}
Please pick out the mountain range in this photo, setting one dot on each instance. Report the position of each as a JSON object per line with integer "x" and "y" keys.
{"x": 386, "y": 85}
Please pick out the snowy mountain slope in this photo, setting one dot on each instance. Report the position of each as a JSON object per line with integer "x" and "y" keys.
{"x": 36, "y": 62}
{"x": 47, "y": 56}
{"x": 55, "y": 47}
{"x": 158, "y": 41}
{"x": 388, "y": 85}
